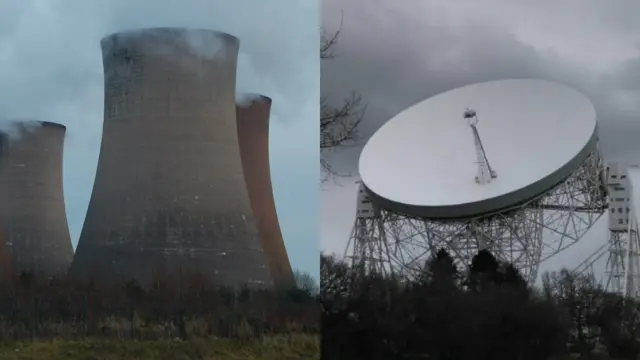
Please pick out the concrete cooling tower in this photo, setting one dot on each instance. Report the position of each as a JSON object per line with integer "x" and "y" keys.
{"x": 169, "y": 195}
{"x": 33, "y": 215}
{"x": 253, "y": 135}
{"x": 7, "y": 273}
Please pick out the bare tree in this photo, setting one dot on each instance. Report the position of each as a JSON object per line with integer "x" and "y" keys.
{"x": 338, "y": 124}
{"x": 306, "y": 282}
{"x": 580, "y": 299}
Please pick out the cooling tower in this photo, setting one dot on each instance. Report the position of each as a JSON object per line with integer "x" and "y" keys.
{"x": 169, "y": 192}
{"x": 33, "y": 215}
{"x": 253, "y": 136}
{"x": 7, "y": 274}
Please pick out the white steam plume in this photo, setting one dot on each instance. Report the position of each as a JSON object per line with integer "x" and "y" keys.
{"x": 16, "y": 128}
{"x": 246, "y": 99}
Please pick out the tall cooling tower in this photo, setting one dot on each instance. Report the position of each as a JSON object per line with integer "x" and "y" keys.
{"x": 253, "y": 135}
{"x": 7, "y": 273}
{"x": 33, "y": 216}
{"x": 169, "y": 194}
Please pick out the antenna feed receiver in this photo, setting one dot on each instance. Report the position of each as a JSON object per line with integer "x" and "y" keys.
{"x": 468, "y": 113}
{"x": 471, "y": 116}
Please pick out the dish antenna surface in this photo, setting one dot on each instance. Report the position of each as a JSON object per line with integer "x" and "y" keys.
{"x": 424, "y": 163}
{"x": 512, "y": 166}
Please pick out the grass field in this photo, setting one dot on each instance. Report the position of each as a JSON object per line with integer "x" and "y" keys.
{"x": 288, "y": 347}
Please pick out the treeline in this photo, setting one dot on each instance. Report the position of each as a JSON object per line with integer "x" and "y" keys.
{"x": 32, "y": 308}
{"x": 485, "y": 311}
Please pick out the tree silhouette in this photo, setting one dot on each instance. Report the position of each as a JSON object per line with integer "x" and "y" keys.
{"x": 484, "y": 271}
{"x": 441, "y": 273}
{"x": 484, "y": 262}
{"x": 338, "y": 124}
{"x": 513, "y": 277}
{"x": 435, "y": 317}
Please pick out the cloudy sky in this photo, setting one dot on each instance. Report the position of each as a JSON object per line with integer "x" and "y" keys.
{"x": 396, "y": 53}
{"x": 51, "y": 69}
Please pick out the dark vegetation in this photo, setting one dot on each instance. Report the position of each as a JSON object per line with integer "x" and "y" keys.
{"x": 271, "y": 347}
{"x": 45, "y": 309}
{"x": 486, "y": 312}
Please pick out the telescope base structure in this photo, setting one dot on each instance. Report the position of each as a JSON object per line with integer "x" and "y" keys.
{"x": 622, "y": 274}
{"x": 622, "y": 269}
{"x": 524, "y": 235}
{"x": 622, "y": 249}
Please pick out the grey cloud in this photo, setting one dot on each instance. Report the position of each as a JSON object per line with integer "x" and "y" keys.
{"x": 396, "y": 55}
{"x": 398, "y": 65}
{"x": 627, "y": 76}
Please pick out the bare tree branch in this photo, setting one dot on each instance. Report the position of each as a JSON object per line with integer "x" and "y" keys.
{"x": 338, "y": 125}
{"x": 328, "y": 42}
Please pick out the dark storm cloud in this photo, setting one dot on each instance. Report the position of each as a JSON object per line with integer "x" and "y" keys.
{"x": 398, "y": 53}
{"x": 398, "y": 63}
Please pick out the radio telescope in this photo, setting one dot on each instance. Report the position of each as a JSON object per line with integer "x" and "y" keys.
{"x": 511, "y": 166}
{"x": 622, "y": 248}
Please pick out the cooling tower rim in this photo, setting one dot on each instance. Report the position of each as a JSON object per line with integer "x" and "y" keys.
{"x": 184, "y": 30}
{"x": 52, "y": 124}
{"x": 40, "y": 122}
{"x": 256, "y": 96}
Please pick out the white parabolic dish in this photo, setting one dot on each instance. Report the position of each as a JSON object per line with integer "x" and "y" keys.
{"x": 423, "y": 161}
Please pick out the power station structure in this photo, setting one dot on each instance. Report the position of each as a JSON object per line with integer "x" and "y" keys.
{"x": 7, "y": 272}
{"x": 465, "y": 171}
{"x": 622, "y": 248}
{"x": 170, "y": 194}
{"x": 33, "y": 216}
{"x": 253, "y": 137}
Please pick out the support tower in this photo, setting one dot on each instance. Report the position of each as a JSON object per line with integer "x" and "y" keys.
{"x": 485, "y": 172}
{"x": 622, "y": 273}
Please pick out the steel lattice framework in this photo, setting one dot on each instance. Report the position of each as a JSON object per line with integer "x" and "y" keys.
{"x": 525, "y": 235}
{"x": 622, "y": 248}
{"x": 623, "y": 263}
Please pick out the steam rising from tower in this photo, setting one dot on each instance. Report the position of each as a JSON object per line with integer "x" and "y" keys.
{"x": 169, "y": 192}
{"x": 253, "y": 136}
{"x": 33, "y": 216}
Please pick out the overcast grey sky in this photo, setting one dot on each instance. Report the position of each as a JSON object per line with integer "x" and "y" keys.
{"x": 51, "y": 69}
{"x": 396, "y": 53}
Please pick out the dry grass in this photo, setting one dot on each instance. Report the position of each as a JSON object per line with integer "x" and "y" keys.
{"x": 277, "y": 347}
{"x": 586, "y": 357}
